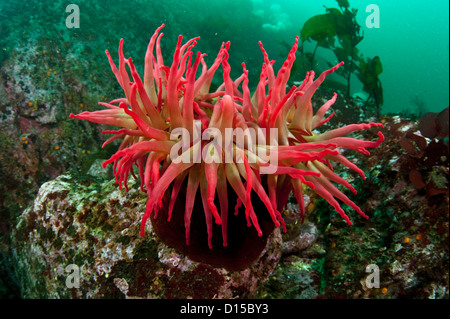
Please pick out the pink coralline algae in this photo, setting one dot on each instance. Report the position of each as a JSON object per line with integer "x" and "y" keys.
{"x": 173, "y": 99}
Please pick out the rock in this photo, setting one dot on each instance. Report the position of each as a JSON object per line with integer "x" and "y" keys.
{"x": 306, "y": 235}
{"x": 295, "y": 278}
{"x": 88, "y": 227}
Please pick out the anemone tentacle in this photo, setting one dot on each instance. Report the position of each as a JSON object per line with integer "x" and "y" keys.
{"x": 171, "y": 97}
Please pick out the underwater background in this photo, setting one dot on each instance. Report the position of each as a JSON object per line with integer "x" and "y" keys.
{"x": 400, "y": 73}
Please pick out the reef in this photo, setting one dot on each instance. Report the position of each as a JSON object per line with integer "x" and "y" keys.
{"x": 406, "y": 237}
{"x": 72, "y": 224}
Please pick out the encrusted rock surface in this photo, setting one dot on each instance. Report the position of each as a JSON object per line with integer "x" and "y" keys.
{"x": 91, "y": 224}
{"x": 406, "y": 238}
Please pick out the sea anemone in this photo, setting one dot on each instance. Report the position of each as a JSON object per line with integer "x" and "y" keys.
{"x": 177, "y": 133}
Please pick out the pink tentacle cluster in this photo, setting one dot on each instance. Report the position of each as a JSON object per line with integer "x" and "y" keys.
{"x": 171, "y": 98}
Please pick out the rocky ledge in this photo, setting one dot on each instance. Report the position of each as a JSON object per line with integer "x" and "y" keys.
{"x": 80, "y": 239}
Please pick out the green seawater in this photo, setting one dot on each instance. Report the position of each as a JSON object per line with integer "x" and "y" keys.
{"x": 412, "y": 39}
